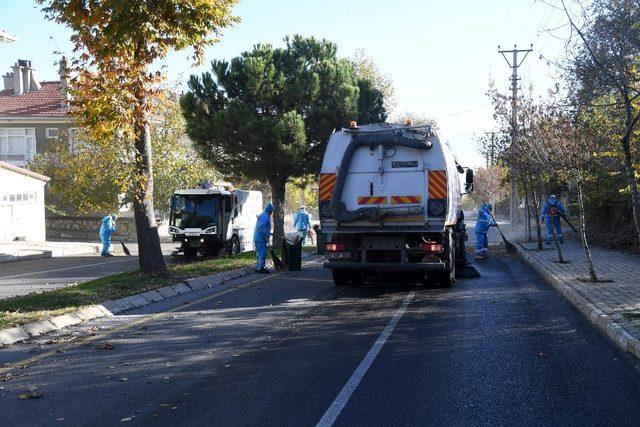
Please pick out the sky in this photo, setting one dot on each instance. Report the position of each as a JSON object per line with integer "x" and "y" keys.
{"x": 440, "y": 54}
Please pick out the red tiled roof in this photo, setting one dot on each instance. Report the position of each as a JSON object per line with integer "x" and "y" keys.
{"x": 23, "y": 171}
{"x": 45, "y": 102}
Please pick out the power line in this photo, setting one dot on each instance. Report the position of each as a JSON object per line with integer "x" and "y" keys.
{"x": 526, "y": 19}
{"x": 462, "y": 112}
{"x": 543, "y": 21}
{"x": 506, "y": 18}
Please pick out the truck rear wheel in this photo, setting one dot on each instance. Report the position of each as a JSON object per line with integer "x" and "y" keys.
{"x": 340, "y": 277}
{"x": 448, "y": 277}
{"x": 347, "y": 277}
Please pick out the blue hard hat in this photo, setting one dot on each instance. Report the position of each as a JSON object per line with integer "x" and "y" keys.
{"x": 268, "y": 208}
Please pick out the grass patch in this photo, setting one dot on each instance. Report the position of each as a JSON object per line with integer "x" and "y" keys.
{"x": 28, "y": 308}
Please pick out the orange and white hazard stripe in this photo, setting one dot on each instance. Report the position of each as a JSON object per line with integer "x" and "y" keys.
{"x": 325, "y": 185}
{"x": 404, "y": 200}
{"x": 438, "y": 184}
{"x": 372, "y": 200}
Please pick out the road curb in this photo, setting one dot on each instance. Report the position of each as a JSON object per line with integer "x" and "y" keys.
{"x": 112, "y": 307}
{"x": 13, "y": 258}
{"x": 607, "y": 325}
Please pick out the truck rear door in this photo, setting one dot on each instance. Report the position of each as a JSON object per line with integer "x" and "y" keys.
{"x": 398, "y": 181}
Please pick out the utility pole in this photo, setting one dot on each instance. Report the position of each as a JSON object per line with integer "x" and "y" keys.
{"x": 490, "y": 153}
{"x": 514, "y": 64}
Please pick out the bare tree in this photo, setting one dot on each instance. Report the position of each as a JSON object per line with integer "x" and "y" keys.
{"x": 604, "y": 72}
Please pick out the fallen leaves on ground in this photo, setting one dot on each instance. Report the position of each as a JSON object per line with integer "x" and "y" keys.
{"x": 105, "y": 346}
{"x": 31, "y": 395}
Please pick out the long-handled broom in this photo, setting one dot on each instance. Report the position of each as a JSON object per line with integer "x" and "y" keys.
{"x": 124, "y": 247}
{"x": 510, "y": 247}
{"x": 277, "y": 262}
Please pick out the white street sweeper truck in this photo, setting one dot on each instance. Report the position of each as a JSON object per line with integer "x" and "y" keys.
{"x": 214, "y": 219}
{"x": 389, "y": 201}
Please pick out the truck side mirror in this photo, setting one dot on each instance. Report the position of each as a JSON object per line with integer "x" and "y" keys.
{"x": 468, "y": 187}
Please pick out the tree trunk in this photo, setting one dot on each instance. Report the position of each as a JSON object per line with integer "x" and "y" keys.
{"x": 555, "y": 241}
{"x": 527, "y": 207}
{"x": 150, "y": 256}
{"x": 583, "y": 233}
{"x": 513, "y": 201}
{"x": 278, "y": 192}
{"x": 633, "y": 184}
{"x": 303, "y": 189}
{"x": 536, "y": 209}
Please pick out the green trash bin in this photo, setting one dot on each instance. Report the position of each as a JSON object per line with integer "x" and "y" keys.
{"x": 321, "y": 239}
{"x": 292, "y": 255}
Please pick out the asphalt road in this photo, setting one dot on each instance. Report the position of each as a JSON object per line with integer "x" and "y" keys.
{"x": 23, "y": 277}
{"x": 292, "y": 349}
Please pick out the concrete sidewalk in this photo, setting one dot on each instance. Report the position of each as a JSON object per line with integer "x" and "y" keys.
{"x": 613, "y": 304}
{"x": 20, "y": 251}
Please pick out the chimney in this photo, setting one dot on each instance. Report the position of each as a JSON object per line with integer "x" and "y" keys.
{"x": 26, "y": 78}
{"x": 17, "y": 80}
{"x": 8, "y": 81}
{"x": 22, "y": 79}
{"x": 63, "y": 70}
{"x": 35, "y": 84}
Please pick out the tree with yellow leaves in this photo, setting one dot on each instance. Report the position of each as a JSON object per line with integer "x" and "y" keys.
{"x": 116, "y": 43}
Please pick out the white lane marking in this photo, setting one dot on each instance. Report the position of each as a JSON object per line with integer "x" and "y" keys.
{"x": 343, "y": 397}
{"x": 66, "y": 268}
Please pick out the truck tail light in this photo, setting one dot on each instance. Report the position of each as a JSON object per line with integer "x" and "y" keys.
{"x": 432, "y": 247}
{"x": 335, "y": 247}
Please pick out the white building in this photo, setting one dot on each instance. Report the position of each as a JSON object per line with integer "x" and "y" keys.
{"x": 21, "y": 204}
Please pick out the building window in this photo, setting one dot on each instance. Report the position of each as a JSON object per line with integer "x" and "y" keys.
{"x": 52, "y": 133}
{"x": 18, "y": 198}
{"x": 17, "y": 145}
